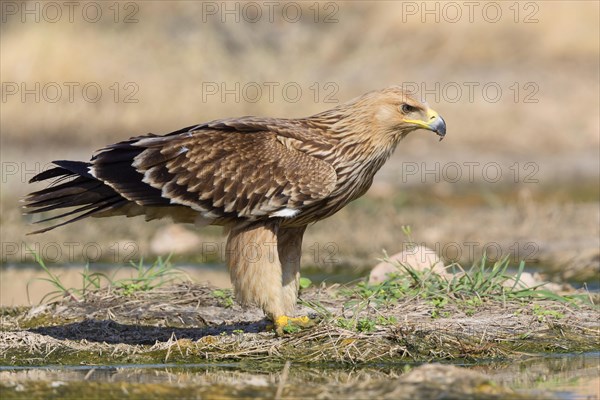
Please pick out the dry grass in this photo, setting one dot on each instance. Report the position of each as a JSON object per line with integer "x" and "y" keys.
{"x": 183, "y": 322}
{"x": 399, "y": 322}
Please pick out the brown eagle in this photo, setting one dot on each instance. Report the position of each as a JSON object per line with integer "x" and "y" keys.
{"x": 264, "y": 179}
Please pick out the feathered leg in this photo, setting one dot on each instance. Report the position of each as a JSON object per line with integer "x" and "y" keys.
{"x": 289, "y": 247}
{"x": 264, "y": 265}
{"x": 254, "y": 267}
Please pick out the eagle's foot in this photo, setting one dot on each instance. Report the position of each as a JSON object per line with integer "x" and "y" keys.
{"x": 285, "y": 324}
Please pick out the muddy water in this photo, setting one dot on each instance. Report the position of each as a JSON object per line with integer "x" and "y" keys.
{"x": 568, "y": 376}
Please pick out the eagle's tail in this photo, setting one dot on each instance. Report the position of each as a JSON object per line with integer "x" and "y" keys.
{"x": 74, "y": 186}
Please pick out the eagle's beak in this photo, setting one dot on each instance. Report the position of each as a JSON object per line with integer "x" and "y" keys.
{"x": 434, "y": 123}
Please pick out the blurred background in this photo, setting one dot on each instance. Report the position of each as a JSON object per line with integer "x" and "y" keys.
{"x": 517, "y": 83}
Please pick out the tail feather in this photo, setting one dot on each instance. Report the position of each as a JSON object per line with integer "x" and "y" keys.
{"x": 102, "y": 203}
{"x": 63, "y": 202}
{"x": 108, "y": 185}
{"x": 96, "y": 208}
{"x": 51, "y": 173}
{"x": 77, "y": 190}
{"x": 74, "y": 187}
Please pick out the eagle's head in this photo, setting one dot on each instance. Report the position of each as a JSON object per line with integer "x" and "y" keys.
{"x": 398, "y": 112}
{"x": 375, "y": 122}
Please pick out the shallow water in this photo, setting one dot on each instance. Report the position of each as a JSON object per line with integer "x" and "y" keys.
{"x": 565, "y": 376}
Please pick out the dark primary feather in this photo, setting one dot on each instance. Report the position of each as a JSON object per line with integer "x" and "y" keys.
{"x": 74, "y": 187}
{"x": 113, "y": 166}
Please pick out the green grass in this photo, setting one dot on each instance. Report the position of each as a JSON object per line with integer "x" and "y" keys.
{"x": 483, "y": 281}
{"x": 364, "y": 303}
{"x": 469, "y": 290}
{"x": 225, "y": 297}
{"x": 158, "y": 274}
{"x": 144, "y": 278}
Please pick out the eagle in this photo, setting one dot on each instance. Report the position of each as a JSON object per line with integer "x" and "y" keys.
{"x": 263, "y": 179}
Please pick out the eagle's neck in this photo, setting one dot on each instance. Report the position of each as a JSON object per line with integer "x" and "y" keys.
{"x": 356, "y": 151}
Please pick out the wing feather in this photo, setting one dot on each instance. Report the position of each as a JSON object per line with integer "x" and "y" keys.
{"x": 232, "y": 172}
{"x": 248, "y": 168}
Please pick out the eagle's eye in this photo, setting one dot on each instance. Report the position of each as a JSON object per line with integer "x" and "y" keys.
{"x": 406, "y": 108}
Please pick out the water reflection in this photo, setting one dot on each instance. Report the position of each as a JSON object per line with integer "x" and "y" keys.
{"x": 566, "y": 375}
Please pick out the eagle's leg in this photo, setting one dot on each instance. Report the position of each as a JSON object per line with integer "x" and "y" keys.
{"x": 254, "y": 267}
{"x": 289, "y": 247}
{"x": 264, "y": 265}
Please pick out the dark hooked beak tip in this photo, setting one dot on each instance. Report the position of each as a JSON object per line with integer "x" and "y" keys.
{"x": 438, "y": 125}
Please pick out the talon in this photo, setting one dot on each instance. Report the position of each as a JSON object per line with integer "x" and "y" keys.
{"x": 303, "y": 321}
{"x": 280, "y": 323}
{"x": 285, "y": 324}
